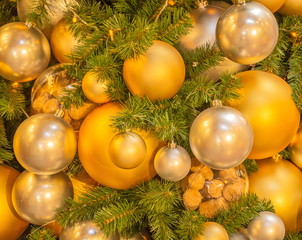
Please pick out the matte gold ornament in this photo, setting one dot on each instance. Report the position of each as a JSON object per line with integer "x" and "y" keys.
{"x": 291, "y": 7}
{"x": 221, "y": 137}
{"x": 12, "y": 226}
{"x": 56, "y": 9}
{"x": 127, "y": 150}
{"x": 266, "y": 226}
{"x": 94, "y": 138}
{"x": 271, "y": 5}
{"x": 85, "y": 230}
{"x": 265, "y": 100}
{"x": 247, "y": 33}
{"x": 295, "y": 149}
{"x": 213, "y": 231}
{"x": 63, "y": 42}
{"x": 159, "y": 74}
{"x": 24, "y": 52}
{"x": 280, "y": 181}
{"x": 172, "y": 162}
{"x": 37, "y": 197}
{"x": 94, "y": 88}
{"x": 44, "y": 144}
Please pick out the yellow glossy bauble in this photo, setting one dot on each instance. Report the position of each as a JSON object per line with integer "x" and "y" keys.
{"x": 56, "y": 10}
{"x": 281, "y": 182}
{"x": 159, "y": 74}
{"x": 291, "y": 7}
{"x": 94, "y": 137}
{"x": 213, "y": 231}
{"x": 295, "y": 148}
{"x": 62, "y": 42}
{"x": 12, "y": 226}
{"x": 94, "y": 88}
{"x": 271, "y": 5}
{"x": 267, "y": 104}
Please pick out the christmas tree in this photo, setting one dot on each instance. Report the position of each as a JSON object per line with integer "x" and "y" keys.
{"x": 163, "y": 119}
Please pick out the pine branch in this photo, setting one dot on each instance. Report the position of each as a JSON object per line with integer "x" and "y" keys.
{"x": 72, "y": 96}
{"x": 75, "y": 167}
{"x": 240, "y": 212}
{"x": 250, "y": 166}
{"x": 6, "y": 12}
{"x": 86, "y": 206}
{"x": 40, "y": 233}
{"x": 293, "y": 236}
{"x": 39, "y": 15}
{"x": 190, "y": 225}
{"x": 6, "y": 153}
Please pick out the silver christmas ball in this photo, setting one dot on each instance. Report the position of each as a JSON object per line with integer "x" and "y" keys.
{"x": 86, "y": 230}
{"x": 36, "y": 197}
{"x": 238, "y": 236}
{"x": 221, "y": 137}
{"x": 247, "y": 33}
{"x": 44, "y": 144}
{"x": 172, "y": 163}
{"x": 267, "y": 226}
{"x": 24, "y": 52}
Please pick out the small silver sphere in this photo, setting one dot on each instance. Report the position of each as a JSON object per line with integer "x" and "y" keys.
{"x": 247, "y": 33}
{"x": 36, "y": 197}
{"x": 24, "y": 52}
{"x": 267, "y": 226}
{"x": 44, "y": 144}
{"x": 221, "y": 137}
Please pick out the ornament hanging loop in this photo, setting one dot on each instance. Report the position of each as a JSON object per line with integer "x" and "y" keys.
{"x": 202, "y": 4}
{"x": 216, "y": 103}
{"x": 240, "y": 2}
{"x": 172, "y": 145}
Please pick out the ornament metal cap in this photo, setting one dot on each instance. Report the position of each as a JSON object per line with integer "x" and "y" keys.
{"x": 202, "y": 4}
{"x": 239, "y": 2}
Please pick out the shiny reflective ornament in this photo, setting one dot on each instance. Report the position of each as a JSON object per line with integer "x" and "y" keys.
{"x": 247, "y": 33}
{"x": 44, "y": 144}
{"x": 127, "y": 150}
{"x": 94, "y": 88}
{"x": 271, "y": 5}
{"x": 56, "y": 9}
{"x": 63, "y": 42}
{"x": 86, "y": 230}
{"x": 221, "y": 137}
{"x": 37, "y": 197}
{"x": 265, "y": 101}
{"x": 159, "y": 74}
{"x": 24, "y": 52}
{"x": 172, "y": 162}
{"x": 281, "y": 182}
{"x": 291, "y": 7}
{"x": 238, "y": 236}
{"x": 213, "y": 231}
{"x": 266, "y": 226}
{"x": 12, "y": 226}
{"x": 295, "y": 149}
{"x": 94, "y": 138}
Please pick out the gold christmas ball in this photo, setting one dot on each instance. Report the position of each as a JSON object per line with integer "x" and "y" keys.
{"x": 159, "y": 74}
{"x": 56, "y": 9}
{"x": 37, "y": 197}
{"x": 213, "y": 231}
{"x": 94, "y": 138}
{"x": 12, "y": 226}
{"x": 291, "y": 7}
{"x": 247, "y": 33}
{"x": 62, "y": 42}
{"x": 127, "y": 150}
{"x": 94, "y": 88}
{"x": 271, "y": 5}
{"x": 295, "y": 149}
{"x": 48, "y": 137}
{"x": 265, "y": 100}
{"x": 281, "y": 182}
{"x": 24, "y": 52}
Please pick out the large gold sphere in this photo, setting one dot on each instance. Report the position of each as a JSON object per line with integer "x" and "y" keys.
{"x": 44, "y": 144}
{"x": 247, "y": 33}
{"x": 94, "y": 138}
{"x": 24, "y": 52}
{"x": 159, "y": 74}
{"x": 37, "y": 197}
{"x": 12, "y": 226}
{"x": 62, "y": 42}
{"x": 281, "y": 182}
{"x": 295, "y": 148}
{"x": 213, "y": 231}
{"x": 291, "y": 7}
{"x": 94, "y": 88}
{"x": 271, "y": 5}
{"x": 267, "y": 104}
{"x": 56, "y": 9}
